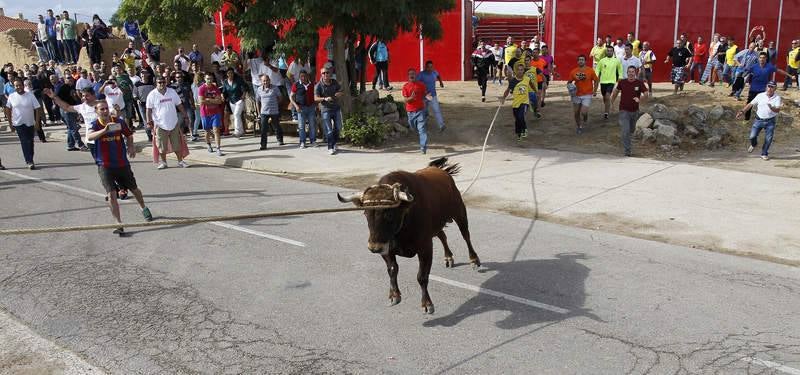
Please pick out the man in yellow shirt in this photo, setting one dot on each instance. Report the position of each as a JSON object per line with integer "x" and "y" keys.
{"x": 792, "y": 65}
{"x": 635, "y": 43}
{"x": 598, "y": 52}
{"x": 519, "y": 86}
{"x": 609, "y": 69}
{"x": 730, "y": 62}
{"x": 510, "y": 50}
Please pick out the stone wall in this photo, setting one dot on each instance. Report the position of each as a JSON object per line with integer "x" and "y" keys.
{"x": 15, "y": 48}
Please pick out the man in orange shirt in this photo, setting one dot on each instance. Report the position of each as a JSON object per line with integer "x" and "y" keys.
{"x": 540, "y": 64}
{"x": 582, "y": 85}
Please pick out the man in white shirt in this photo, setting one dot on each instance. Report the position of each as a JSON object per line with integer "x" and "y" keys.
{"x": 85, "y": 109}
{"x": 83, "y": 81}
{"x": 113, "y": 95}
{"x": 183, "y": 58}
{"x": 163, "y": 105}
{"x": 630, "y": 60}
{"x": 255, "y": 65}
{"x": 23, "y": 110}
{"x": 619, "y": 49}
{"x": 767, "y": 105}
{"x": 216, "y": 55}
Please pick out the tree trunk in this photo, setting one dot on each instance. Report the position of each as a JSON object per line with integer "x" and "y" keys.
{"x": 341, "y": 69}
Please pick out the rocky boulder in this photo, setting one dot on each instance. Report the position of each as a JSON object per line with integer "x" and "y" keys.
{"x": 369, "y": 97}
{"x": 716, "y": 113}
{"x": 388, "y": 107}
{"x": 390, "y": 118}
{"x": 661, "y": 112}
{"x": 667, "y": 135}
{"x": 691, "y": 131}
{"x": 645, "y": 121}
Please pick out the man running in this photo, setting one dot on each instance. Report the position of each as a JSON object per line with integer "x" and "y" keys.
{"x": 760, "y": 75}
{"x": 415, "y": 94}
{"x": 585, "y": 83}
{"x": 429, "y": 76}
{"x": 24, "y": 113}
{"x": 518, "y": 85}
{"x": 211, "y": 106}
{"x": 114, "y": 140}
{"x": 609, "y": 69}
{"x": 631, "y": 89}
{"x": 767, "y": 105}
{"x": 680, "y": 56}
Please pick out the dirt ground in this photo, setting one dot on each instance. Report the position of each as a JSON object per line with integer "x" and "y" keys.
{"x": 468, "y": 119}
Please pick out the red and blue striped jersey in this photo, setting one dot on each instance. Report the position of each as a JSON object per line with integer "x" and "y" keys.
{"x": 111, "y": 148}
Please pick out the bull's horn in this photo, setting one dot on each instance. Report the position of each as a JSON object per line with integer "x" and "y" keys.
{"x": 355, "y": 197}
{"x": 403, "y": 196}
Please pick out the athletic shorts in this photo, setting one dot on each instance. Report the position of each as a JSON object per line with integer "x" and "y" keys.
{"x": 212, "y": 121}
{"x": 113, "y": 177}
{"x": 583, "y": 100}
{"x": 546, "y": 79}
{"x": 606, "y": 88}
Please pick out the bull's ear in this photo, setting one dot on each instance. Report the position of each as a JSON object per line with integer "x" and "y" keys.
{"x": 405, "y": 196}
{"x": 355, "y": 198}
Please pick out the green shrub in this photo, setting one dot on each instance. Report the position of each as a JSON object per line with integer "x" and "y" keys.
{"x": 363, "y": 130}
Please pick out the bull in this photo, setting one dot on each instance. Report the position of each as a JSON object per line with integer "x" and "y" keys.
{"x": 426, "y": 201}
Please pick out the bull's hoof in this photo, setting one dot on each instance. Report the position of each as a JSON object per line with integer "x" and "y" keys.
{"x": 427, "y": 309}
{"x": 476, "y": 264}
{"x": 448, "y": 262}
{"x": 393, "y": 300}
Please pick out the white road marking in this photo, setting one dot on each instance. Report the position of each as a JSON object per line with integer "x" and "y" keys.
{"x": 509, "y": 297}
{"x": 772, "y": 365}
{"x": 257, "y": 233}
{"x": 217, "y": 223}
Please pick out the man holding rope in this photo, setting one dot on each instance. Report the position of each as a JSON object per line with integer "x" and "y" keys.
{"x": 114, "y": 144}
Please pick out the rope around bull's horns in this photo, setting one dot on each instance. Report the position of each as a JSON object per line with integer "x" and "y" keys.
{"x": 187, "y": 221}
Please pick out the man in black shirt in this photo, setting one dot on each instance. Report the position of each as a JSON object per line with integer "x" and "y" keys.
{"x": 680, "y": 56}
{"x": 66, "y": 92}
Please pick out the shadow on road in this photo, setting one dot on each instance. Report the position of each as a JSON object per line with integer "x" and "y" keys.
{"x": 558, "y": 282}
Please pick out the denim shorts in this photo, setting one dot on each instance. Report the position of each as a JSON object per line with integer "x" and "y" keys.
{"x": 212, "y": 121}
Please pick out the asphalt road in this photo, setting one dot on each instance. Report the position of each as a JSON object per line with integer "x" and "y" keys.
{"x": 302, "y": 295}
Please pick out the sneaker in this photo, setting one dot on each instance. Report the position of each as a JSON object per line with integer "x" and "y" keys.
{"x": 525, "y": 134}
{"x": 390, "y": 88}
{"x": 84, "y": 148}
{"x": 331, "y": 151}
{"x": 183, "y": 164}
{"x": 162, "y": 165}
{"x": 147, "y": 215}
{"x": 219, "y": 152}
{"x": 31, "y": 166}
{"x": 120, "y": 232}
{"x": 2, "y": 168}
{"x": 605, "y": 116}
{"x": 302, "y": 145}
{"x": 123, "y": 194}
{"x": 483, "y": 99}
{"x": 519, "y": 138}
{"x": 195, "y": 138}
{"x": 542, "y": 103}
{"x": 764, "y": 157}
{"x": 424, "y": 151}
{"x": 73, "y": 149}
{"x": 750, "y": 148}
{"x": 262, "y": 148}
{"x": 539, "y": 115}
{"x": 628, "y": 154}
{"x": 210, "y": 149}
{"x": 579, "y": 131}
{"x": 281, "y": 143}
{"x": 442, "y": 129}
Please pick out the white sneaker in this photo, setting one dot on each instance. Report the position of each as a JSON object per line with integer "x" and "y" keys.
{"x": 764, "y": 157}
{"x": 162, "y": 165}
{"x": 302, "y": 145}
{"x": 183, "y": 164}
{"x": 750, "y": 148}
{"x": 331, "y": 151}
{"x": 219, "y": 152}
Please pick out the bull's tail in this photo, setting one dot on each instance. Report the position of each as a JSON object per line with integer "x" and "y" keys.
{"x": 441, "y": 163}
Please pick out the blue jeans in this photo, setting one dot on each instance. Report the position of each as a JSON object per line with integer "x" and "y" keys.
{"x": 696, "y": 66}
{"x": 417, "y": 120}
{"x": 307, "y": 115}
{"x": 519, "y": 119}
{"x": 433, "y": 106}
{"x": 769, "y": 127}
{"x": 25, "y": 134}
{"x": 147, "y": 129}
{"x": 198, "y": 122}
{"x": 71, "y": 46}
{"x": 726, "y": 73}
{"x": 332, "y": 125}
{"x": 73, "y": 135}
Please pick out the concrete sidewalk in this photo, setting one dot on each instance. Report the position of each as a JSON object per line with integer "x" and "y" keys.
{"x": 716, "y": 209}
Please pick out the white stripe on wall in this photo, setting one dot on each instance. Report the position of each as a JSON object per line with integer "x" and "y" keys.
{"x": 638, "y": 8}
{"x": 747, "y": 28}
{"x": 463, "y": 40}
{"x": 714, "y": 19}
{"x": 778, "y": 35}
{"x": 677, "y": 15}
{"x": 596, "y": 18}
{"x": 553, "y": 31}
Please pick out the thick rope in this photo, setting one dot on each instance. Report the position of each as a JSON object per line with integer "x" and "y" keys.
{"x": 187, "y": 221}
{"x": 483, "y": 150}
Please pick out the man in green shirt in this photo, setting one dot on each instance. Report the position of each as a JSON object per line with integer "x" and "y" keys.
{"x": 69, "y": 38}
{"x": 609, "y": 69}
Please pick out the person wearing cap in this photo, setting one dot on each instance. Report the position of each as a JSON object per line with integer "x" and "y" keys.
{"x": 760, "y": 74}
{"x": 793, "y": 65}
{"x": 767, "y": 105}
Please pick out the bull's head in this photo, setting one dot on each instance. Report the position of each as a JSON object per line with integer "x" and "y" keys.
{"x": 384, "y": 224}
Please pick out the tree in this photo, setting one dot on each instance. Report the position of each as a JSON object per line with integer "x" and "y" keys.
{"x": 292, "y": 25}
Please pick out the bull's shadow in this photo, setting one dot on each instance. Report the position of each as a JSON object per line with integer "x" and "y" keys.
{"x": 559, "y": 282}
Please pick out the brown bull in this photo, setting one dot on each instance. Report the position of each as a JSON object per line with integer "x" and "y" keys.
{"x": 428, "y": 199}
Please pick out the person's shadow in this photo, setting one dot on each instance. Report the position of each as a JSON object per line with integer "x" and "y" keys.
{"x": 558, "y": 282}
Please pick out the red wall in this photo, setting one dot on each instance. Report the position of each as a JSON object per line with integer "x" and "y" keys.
{"x": 575, "y": 24}
{"x": 404, "y": 51}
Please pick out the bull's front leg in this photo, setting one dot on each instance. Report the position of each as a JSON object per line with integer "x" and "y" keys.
{"x": 391, "y": 268}
{"x": 425, "y": 255}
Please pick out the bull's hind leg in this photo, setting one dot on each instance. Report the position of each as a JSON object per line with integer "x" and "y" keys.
{"x": 448, "y": 255}
{"x": 425, "y": 255}
{"x": 391, "y": 268}
{"x": 463, "y": 226}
